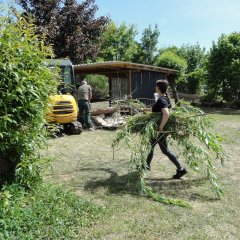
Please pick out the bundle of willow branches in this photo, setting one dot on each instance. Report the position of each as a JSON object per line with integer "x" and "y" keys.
{"x": 189, "y": 128}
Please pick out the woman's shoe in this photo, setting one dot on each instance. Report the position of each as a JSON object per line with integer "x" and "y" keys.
{"x": 180, "y": 173}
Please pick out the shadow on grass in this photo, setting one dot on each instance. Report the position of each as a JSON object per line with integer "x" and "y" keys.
{"x": 180, "y": 188}
{"x": 128, "y": 184}
{"x": 115, "y": 183}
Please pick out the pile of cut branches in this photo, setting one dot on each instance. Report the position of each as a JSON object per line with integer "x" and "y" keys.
{"x": 188, "y": 127}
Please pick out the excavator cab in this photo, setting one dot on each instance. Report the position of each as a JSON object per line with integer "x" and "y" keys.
{"x": 63, "y": 106}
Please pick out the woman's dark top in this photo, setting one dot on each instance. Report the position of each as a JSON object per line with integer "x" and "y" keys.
{"x": 162, "y": 102}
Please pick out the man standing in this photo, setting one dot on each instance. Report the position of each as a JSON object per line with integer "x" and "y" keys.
{"x": 84, "y": 95}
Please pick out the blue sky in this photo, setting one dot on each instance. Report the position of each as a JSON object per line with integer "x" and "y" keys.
{"x": 179, "y": 21}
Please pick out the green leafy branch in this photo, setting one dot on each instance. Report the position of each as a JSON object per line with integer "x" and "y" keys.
{"x": 189, "y": 127}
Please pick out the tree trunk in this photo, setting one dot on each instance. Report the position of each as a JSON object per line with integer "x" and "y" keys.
{"x": 172, "y": 83}
{"x": 96, "y": 112}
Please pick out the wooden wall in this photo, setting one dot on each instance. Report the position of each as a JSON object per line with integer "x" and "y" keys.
{"x": 139, "y": 84}
{"x": 143, "y": 84}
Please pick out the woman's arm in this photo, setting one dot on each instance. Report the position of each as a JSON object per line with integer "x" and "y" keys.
{"x": 165, "y": 116}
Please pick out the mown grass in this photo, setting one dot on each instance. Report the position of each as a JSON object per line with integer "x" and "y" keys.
{"x": 48, "y": 212}
{"x": 85, "y": 164}
{"x": 98, "y": 198}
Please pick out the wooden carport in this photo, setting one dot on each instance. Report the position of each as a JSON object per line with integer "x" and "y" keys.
{"x": 129, "y": 79}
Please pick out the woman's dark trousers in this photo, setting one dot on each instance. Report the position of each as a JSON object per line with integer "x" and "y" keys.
{"x": 162, "y": 142}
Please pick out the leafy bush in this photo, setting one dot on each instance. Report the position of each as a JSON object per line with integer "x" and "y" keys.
{"x": 25, "y": 86}
{"x": 99, "y": 85}
{"x": 48, "y": 212}
{"x": 169, "y": 59}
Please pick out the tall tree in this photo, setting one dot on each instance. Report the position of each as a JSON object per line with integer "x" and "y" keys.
{"x": 224, "y": 68}
{"x": 71, "y": 28}
{"x": 147, "y": 48}
{"x": 118, "y": 43}
{"x": 170, "y": 59}
{"x": 194, "y": 55}
{"x": 195, "y": 71}
{"x": 193, "y": 75}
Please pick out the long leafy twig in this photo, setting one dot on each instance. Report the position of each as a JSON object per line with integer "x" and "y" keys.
{"x": 189, "y": 127}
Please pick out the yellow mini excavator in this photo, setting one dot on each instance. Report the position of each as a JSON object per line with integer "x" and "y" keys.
{"x": 63, "y": 106}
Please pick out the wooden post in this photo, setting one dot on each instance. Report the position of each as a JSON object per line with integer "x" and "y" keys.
{"x": 110, "y": 91}
{"x": 172, "y": 83}
{"x": 130, "y": 82}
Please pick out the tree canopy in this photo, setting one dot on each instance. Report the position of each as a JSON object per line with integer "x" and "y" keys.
{"x": 170, "y": 59}
{"x": 224, "y": 68}
{"x": 71, "y": 28}
{"x": 118, "y": 43}
{"x": 195, "y": 72}
{"x": 147, "y": 48}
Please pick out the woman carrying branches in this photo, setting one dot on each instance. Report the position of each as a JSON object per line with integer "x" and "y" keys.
{"x": 162, "y": 105}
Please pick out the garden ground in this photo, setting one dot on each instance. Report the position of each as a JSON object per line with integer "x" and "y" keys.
{"x": 85, "y": 164}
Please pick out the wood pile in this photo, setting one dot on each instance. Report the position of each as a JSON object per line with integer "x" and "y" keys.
{"x": 108, "y": 118}
{"x": 108, "y": 110}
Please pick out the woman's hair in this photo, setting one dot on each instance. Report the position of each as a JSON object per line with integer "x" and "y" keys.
{"x": 162, "y": 85}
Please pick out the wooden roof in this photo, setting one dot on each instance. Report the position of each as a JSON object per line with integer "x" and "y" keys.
{"x": 108, "y": 68}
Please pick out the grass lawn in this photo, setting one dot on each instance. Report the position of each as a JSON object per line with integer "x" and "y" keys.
{"x": 84, "y": 163}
